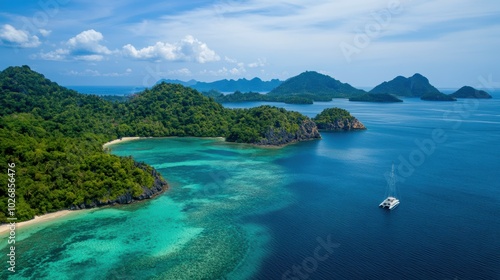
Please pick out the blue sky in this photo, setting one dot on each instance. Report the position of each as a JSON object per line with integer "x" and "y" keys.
{"x": 363, "y": 42}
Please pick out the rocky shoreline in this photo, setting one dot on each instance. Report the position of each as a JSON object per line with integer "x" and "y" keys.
{"x": 280, "y": 137}
{"x": 159, "y": 186}
{"x": 342, "y": 125}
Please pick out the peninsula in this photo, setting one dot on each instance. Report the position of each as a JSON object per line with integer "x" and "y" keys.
{"x": 55, "y": 137}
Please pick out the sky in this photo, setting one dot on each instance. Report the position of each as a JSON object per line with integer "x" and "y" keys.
{"x": 362, "y": 42}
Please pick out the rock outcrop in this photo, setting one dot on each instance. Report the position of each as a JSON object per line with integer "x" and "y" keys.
{"x": 159, "y": 186}
{"x": 279, "y": 136}
{"x": 342, "y": 125}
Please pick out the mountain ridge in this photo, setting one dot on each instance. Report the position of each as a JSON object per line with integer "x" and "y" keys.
{"x": 231, "y": 85}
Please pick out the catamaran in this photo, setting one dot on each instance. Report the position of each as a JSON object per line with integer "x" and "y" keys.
{"x": 391, "y": 201}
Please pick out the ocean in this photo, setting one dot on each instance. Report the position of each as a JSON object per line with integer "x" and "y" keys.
{"x": 305, "y": 211}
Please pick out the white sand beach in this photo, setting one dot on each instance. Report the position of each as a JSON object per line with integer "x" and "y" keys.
{"x": 121, "y": 140}
{"x": 37, "y": 220}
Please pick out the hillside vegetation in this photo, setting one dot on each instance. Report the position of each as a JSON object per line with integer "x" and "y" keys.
{"x": 55, "y": 136}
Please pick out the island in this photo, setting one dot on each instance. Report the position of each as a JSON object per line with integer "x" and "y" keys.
{"x": 414, "y": 86}
{"x": 54, "y": 136}
{"x": 337, "y": 119}
{"x": 315, "y": 86}
{"x": 304, "y": 88}
{"x": 239, "y": 96}
{"x": 470, "y": 92}
{"x": 372, "y": 97}
{"x": 437, "y": 97}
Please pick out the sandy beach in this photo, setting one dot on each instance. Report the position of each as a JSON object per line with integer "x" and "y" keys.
{"x": 37, "y": 220}
{"x": 123, "y": 139}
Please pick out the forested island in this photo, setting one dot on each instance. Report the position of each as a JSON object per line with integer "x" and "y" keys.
{"x": 55, "y": 136}
{"x": 304, "y": 88}
{"x": 419, "y": 86}
{"x": 311, "y": 86}
{"x": 379, "y": 97}
{"x": 239, "y": 96}
{"x": 337, "y": 119}
{"x": 414, "y": 86}
{"x": 470, "y": 92}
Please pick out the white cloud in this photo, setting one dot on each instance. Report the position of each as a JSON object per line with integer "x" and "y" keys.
{"x": 96, "y": 73}
{"x": 258, "y": 63}
{"x": 12, "y": 37}
{"x": 59, "y": 54}
{"x": 88, "y": 41}
{"x": 230, "y": 60}
{"x": 188, "y": 49}
{"x": 182, "y": 71}
{"x": 85, "y": 46}
{"x": 224, "y": 71}
{"x": 45, "y": 32}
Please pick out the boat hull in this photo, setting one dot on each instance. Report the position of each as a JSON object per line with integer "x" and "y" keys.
{"x": 389, "y": 203}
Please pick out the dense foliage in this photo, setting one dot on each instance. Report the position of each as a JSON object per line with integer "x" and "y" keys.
{"x": 414, "y": 86}
{"x": 55, "y": 136}
{"x": 315, "y": 86}
{"x": 331, "y": 115}
{"x": 238, "y": 96}
{"x": 252, "y": 125}
{"x": 379, "y": 97}
{"x": 336, "y": 119}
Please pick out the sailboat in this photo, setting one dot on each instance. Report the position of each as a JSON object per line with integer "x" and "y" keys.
{"x": 391, "y": 201}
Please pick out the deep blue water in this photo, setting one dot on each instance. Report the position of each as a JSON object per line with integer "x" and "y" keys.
{"x": 241, "y": 212}
{"x": 447, "y": 225}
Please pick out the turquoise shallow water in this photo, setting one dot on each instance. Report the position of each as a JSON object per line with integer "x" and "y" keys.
{"x": 240, "y": 212}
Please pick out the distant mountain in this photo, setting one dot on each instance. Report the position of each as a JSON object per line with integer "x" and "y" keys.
{"x": 379, "y": 97}
{"x": 316, "y": 86}
{"x": 470, "y": 92}
{"x": 415, "y": 86}
{"x": 243, "y": 85}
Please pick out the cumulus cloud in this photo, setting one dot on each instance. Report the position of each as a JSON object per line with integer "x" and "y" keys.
{"x": 85, "y": 46}
{"x": 188, "y": 49}
{"x": 12, "y": 37}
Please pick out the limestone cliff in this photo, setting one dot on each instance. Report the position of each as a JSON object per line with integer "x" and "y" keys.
{"x": 342, "y": 125}
{"x": 279, "y": 136}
